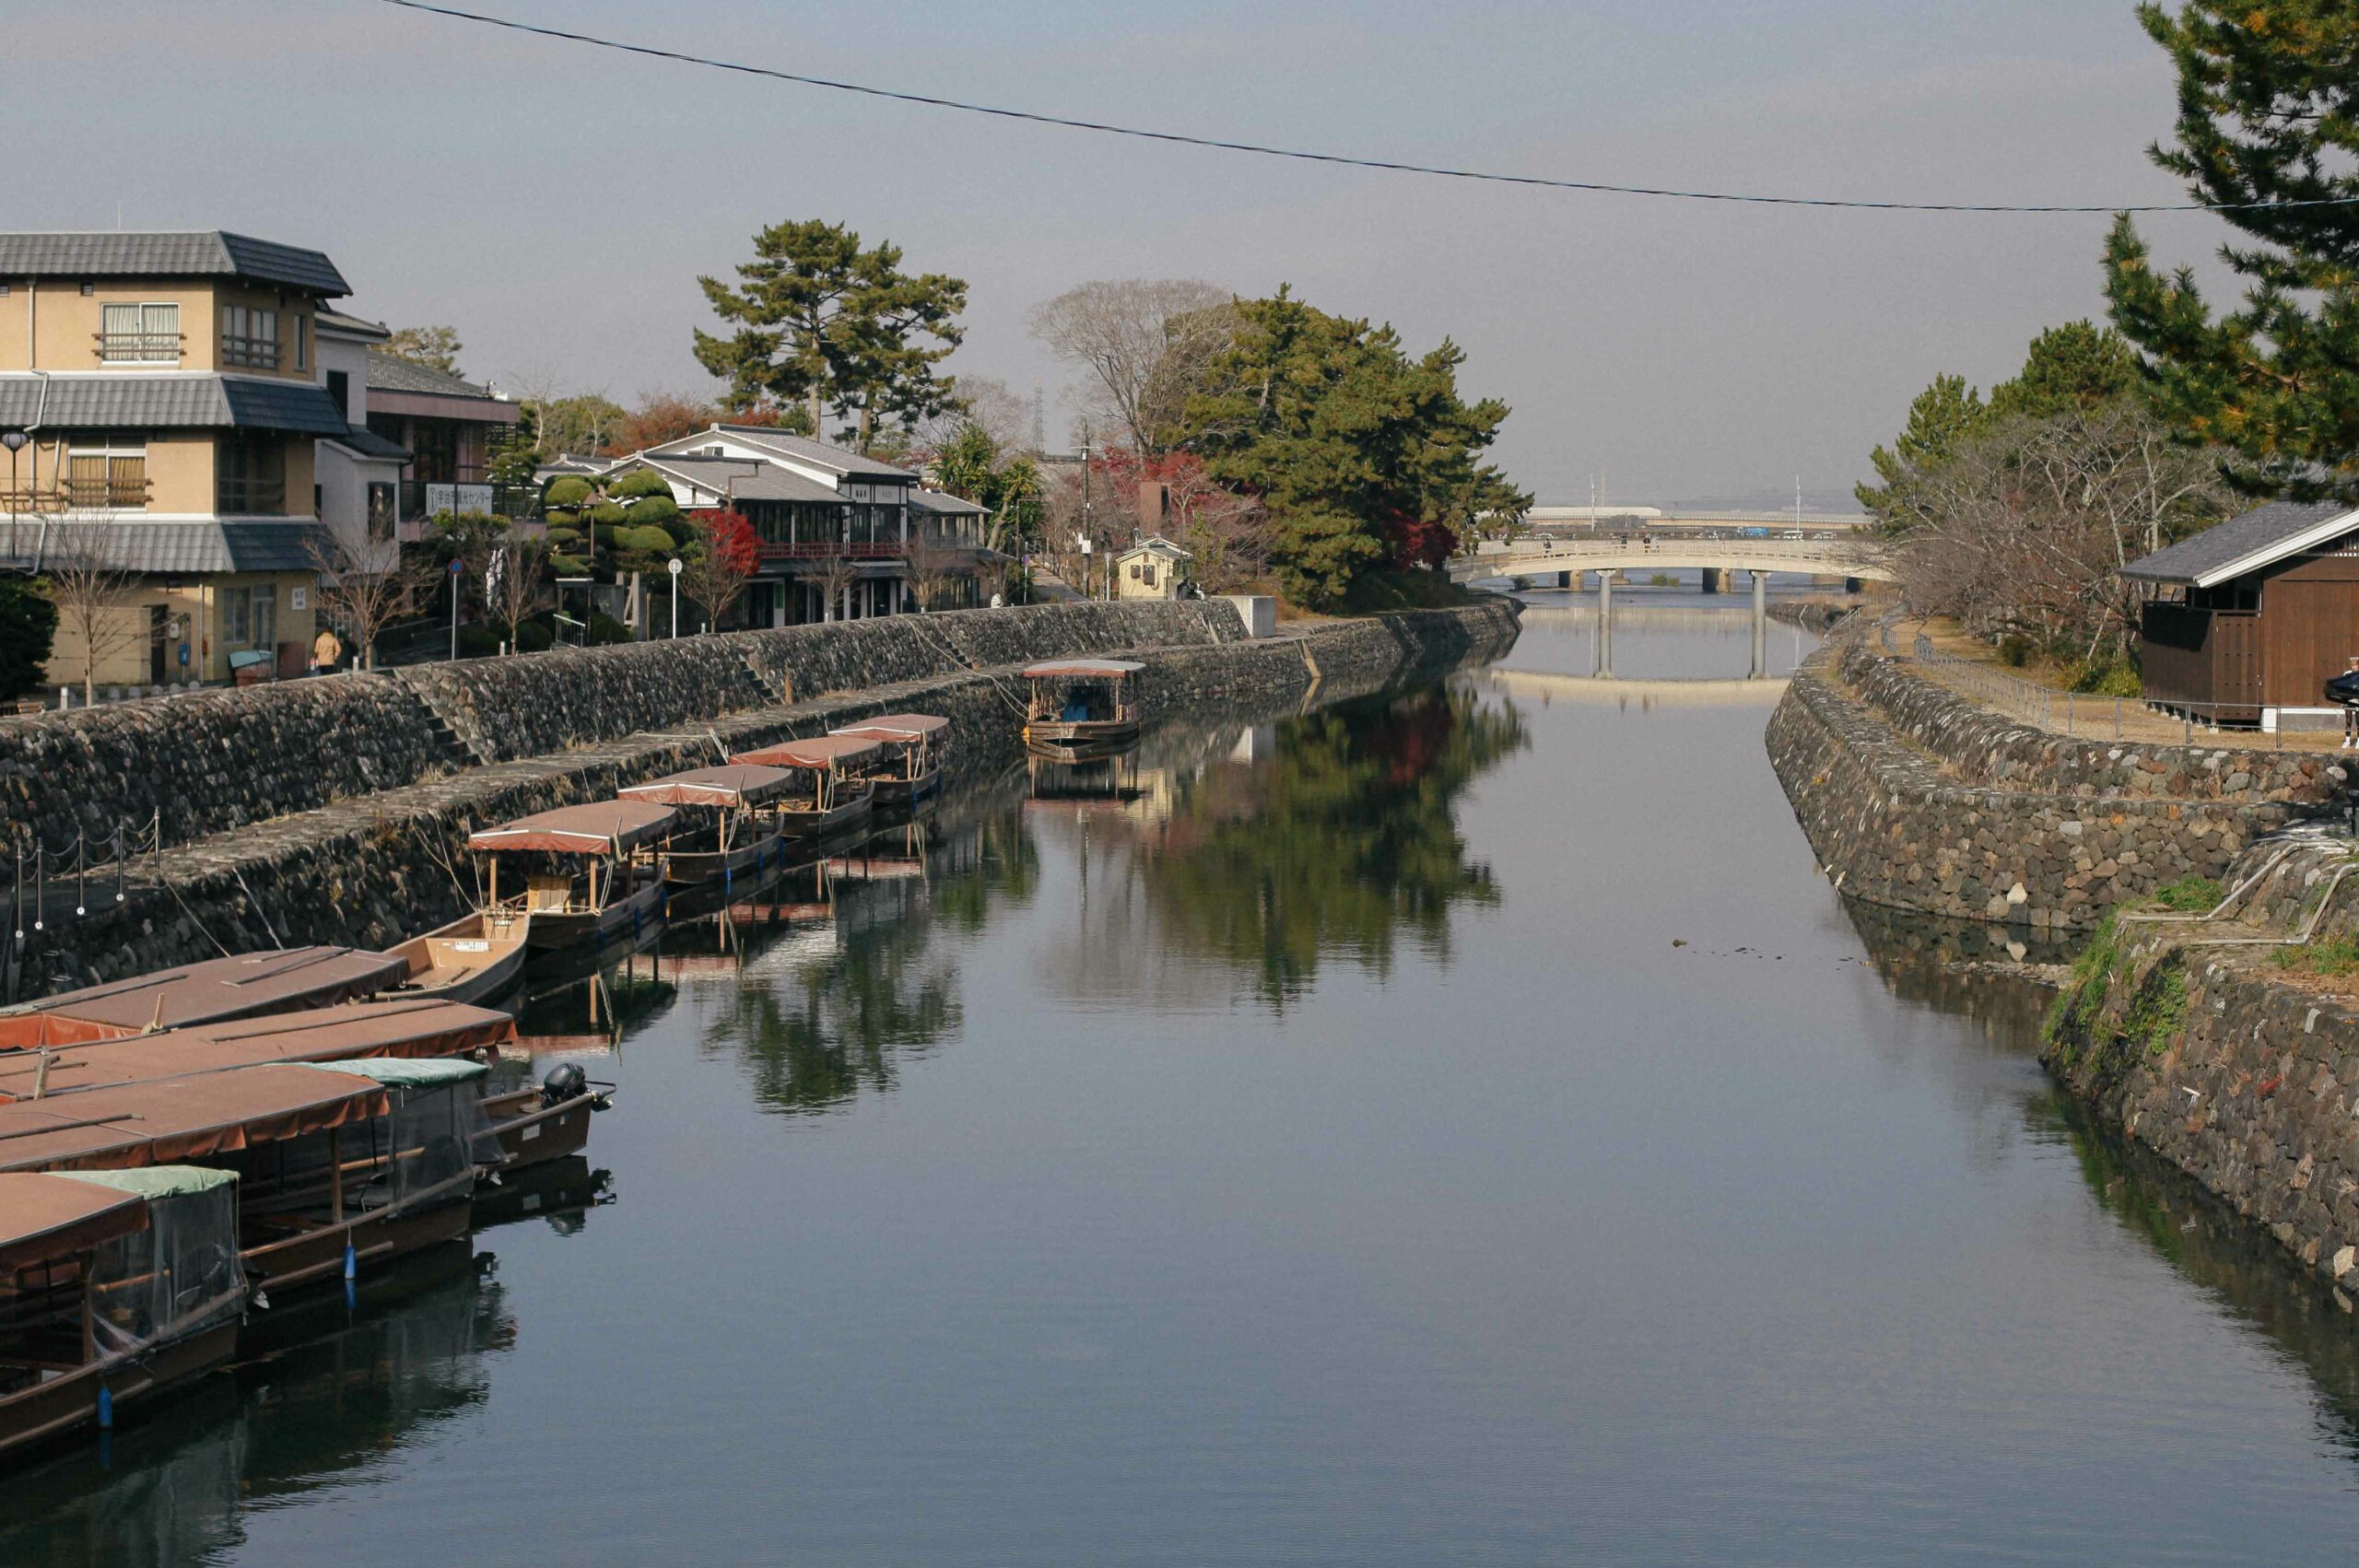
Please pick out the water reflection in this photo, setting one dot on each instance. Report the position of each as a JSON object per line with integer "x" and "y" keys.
{"x": 340, "y": 1406}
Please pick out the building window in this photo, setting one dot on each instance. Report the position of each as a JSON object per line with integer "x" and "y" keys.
{"x": 250, "y": 615}
{"x": 250, "y": 478}
{"x": 340, "y": 389}
{"x": 380, "y": 510}
{"x": 302, "y": 358}
{"x": 106, "y": 476}
{"x": 139, "y": 334}
{"x": 248, "y": 337}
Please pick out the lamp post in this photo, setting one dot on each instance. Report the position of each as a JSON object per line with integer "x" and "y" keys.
{"x": 455, "y": 607}
{"x": 15, "y": 441}
{"x": 673, "y": 567}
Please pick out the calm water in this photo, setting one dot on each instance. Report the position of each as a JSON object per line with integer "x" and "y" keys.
{"x": 1311, "y": 1144}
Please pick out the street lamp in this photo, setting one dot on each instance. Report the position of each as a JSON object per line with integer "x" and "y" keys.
{"x": 673, "y": 567}
{"x": 16, "y": 441}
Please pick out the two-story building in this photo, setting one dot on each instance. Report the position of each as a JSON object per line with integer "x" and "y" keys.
{"x": 161, "y": 398}
{"x": 842, "y": 536}
{"x": 452, "y": 429}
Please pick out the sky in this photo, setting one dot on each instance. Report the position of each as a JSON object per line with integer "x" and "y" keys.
{"x": 555, "y": 204}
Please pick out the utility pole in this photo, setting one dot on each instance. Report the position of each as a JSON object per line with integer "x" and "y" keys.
{"x": 1087, "y": 530}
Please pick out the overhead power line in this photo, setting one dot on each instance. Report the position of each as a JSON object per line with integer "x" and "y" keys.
{"x": 1391, "y": 166}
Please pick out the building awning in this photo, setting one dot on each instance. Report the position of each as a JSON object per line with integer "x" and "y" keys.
{"x": 602, "y": 828}
{"x": 169, "y": 1120}
{"x": 1082, "y": 670}
{"x": 818, "y": 754}
{"x": 47, "y": 1217}
{"x": 735, "y": 785}
{"x": 2258, "y": 538}
{"x": 132, "y": 401}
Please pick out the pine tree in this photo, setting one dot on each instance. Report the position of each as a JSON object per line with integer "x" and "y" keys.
{"x": 2266, "y": 131}
{"x": 1939, "y": 418}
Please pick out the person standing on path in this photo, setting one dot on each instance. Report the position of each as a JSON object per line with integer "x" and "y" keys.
{"x": 327, "y": 648}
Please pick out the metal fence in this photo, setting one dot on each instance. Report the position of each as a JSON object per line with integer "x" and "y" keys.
{"x": 2083, "y": 715}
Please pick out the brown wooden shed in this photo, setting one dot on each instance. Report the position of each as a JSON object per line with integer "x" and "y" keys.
{"x": 2258, "y": 612}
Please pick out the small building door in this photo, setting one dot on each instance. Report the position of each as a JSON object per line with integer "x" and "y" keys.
{"x": 159, "y": 624}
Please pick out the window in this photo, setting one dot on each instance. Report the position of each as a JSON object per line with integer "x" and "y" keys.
{"x": 250, "y": 615}
{"x": 237, "y": 616}
{"x": 250, "y": 476}
{"x": 250, "y": 337}
{"x": 107, "y": 474}
{"x": 139, "y": 334}
{"x": 380, "y": 510}
{"x": 340, "y": 389}
{"x": 265, "y": 613}
{"x": 301, "y": 359}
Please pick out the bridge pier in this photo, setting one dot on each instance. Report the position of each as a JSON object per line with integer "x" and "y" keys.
{"x": 1760, "y": 624}
{"x": 1711, "y": 579}
{"x": 1605, "y": 625}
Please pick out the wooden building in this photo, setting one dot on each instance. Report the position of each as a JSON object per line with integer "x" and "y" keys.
{"x": 2253, "y": 616}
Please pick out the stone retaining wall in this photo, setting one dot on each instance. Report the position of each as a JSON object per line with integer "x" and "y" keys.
{"x": 372, "y": 870}
{"x": 2249, "y": 1085}
{"x": 1914, "y": 798}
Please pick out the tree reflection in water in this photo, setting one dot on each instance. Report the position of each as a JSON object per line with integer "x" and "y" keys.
{"x": 332, "y": 1411}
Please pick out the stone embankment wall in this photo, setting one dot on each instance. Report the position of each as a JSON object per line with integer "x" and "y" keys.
{"x": 371, "y": 868}
{"x": 2248, "y": 1083}
{"x": 1915, "y": 798}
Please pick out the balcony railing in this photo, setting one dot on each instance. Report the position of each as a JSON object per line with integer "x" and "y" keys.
{"x": 250, "y": 498}
{"x": 831, "y": 549}
{"x": 139, "y": 347}
{"x": 251, "y": 353}
{"x": 105, "y": 495}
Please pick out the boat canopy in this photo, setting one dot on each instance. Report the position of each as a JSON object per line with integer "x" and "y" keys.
{"x": 601, "y": 827}
{"x": 168, "y": 1120}
{"x": 156, "y": 1181}
{"x": 818, "y": 754}
{"x": 43, "y": 1218}
{"x": 902, "y": 727}
{"x": 1082, "y": 669}
{"x": 730, "y": 787}
{"x": 413, "y": 1028}
{"x": 218, "y": 988}
{"x": 409, "y": 1072}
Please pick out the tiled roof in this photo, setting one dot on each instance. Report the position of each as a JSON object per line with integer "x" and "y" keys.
{"x": 361, "y": 439}
{"x": 185, "y": 253}
{"x": 741, "y": 477}
{"x": 389, "y": 372}
{"x": 819, "y": 454}
{"x": 336, "y": 321}
{"x": 943, "y": 504}
{"x": 166, "y": 548}
{"x": 131, "y": 401}
{"x": 2242, "y": 543}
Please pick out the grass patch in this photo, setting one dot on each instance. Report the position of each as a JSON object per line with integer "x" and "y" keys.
{"x": 2076, "y": 1005}
{"x": 2329, "y": 958}
{"x": 2188, "y": 896}
{"x": 2157, "y": 1010}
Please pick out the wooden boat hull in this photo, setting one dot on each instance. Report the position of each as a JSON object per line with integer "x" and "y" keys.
{"x": 69, "y": 1402}
{"x": 694, "y": 868}
{"x": 907, "y": 792}
{"x": 316, "y": 1256}
{"x": 473, "y": 957}
{"x": 1081, "y": 733}
{"x": 530, "y": 1133}
{"x": 816, "y": 824}
{"x": 573, "y": 928}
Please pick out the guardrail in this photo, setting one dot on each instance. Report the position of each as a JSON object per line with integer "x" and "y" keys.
{"x": 2082, "y": 715}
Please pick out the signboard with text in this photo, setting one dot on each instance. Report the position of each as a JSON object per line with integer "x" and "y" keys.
{"x": 441, "y": 498}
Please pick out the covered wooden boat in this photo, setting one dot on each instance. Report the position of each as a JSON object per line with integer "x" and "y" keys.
{"x": 342, "y": 1164}
{"x": 598, "y": 874}
{"x": 114, "y": 1287}
{"x": 1082, "y": 704}
{"x": 473, "y": 958}
{"x": 916, "y": 747}
{"x": 836, "y": 795}
{"x": 730, "y": 836}
{"x": 547, "y": 1120}
{"x": 244, "y": 987}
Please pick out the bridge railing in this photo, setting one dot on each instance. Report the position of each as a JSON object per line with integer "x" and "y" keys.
{"x": 2083, "y": 715}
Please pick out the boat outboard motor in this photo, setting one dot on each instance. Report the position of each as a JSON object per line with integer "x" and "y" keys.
{"x": 564, "y": 1081}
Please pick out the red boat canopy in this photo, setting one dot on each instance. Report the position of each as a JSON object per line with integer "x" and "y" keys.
{"x": 219, "y": 987}
{"x": 819, "y": 755}
{"x": 416, "y": 1028}
{"x": 170, "y": 1120}
{"x": 896, "y": 727}
{"x": 733, "y": 786}
{"x": 43, "y": 1218}
{"x": 602, "y": 828}
{"x": 1082, "y": 669}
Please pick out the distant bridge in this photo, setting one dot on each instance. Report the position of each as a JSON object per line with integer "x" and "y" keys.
{"x": 1537, "y": 559}
{"x": 1619, "y": 691}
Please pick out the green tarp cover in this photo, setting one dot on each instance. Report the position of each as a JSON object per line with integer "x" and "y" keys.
{"x": 407, "y": 1072}
{"x": 156, "y": 1181}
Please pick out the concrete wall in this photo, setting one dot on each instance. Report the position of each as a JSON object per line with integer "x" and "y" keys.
{"x": 1914, "y": 798}
{"x": 371, "y": 868}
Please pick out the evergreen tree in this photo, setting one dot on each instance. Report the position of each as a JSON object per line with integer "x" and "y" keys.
{"x": 2077, "y": 367}
{"x": 1941, "y": 418}
{"x": 2266, "y": 131}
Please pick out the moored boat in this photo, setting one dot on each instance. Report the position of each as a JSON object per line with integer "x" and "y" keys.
{"x": 114, "y": 1287}
{"x": 916, "y": 747}
{"x": 839, "y": 796}
{"x": 1082, "y": 706}
{"x": 734, "y": 837}
{"x": 246, "y": 986}
{"x": 618, "y": 887}
{"x": 474, "y": 957}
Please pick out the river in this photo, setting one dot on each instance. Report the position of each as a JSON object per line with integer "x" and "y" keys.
{"x": 1458, "y": 1126}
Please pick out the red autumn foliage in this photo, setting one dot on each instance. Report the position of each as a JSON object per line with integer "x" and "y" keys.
{"x": 731, "y": 539}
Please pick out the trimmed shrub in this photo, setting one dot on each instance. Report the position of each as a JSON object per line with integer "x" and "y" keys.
{"x": 641, "y": 481}
{"x": 570, "y": 490}
{"x": 605, "y": 628}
